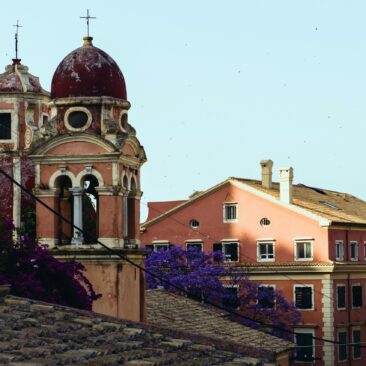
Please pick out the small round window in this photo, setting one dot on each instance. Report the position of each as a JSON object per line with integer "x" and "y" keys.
{"x": 265, "y": 222}
{"x": 194, "y": 224}
{"x": 78, "y": 119}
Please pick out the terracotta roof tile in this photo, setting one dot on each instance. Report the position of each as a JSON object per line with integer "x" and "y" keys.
{"x": 34, "y": 333}
{"x": 178, "y": 312}
{"x": 331, "y": 205}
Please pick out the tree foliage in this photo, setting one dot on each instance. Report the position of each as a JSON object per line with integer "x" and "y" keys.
{"x": 34, "y": 273}
{"x": 205, "y": 277}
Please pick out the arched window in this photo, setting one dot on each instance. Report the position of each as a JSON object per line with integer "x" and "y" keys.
{"x": 90, "y": 209}
{"x": 65, "y": 208}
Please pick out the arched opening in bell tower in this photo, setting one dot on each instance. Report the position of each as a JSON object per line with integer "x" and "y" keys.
{"x": 131, "y": 209}
{"x": 65, "y": 208}
{"x": 90, "y": 209}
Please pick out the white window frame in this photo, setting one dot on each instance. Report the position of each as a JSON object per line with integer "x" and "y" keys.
{"x": 353, "y": 342}
{"x": 13, "y": 128}
{"x": 274, "y": 290}
{"x": 157, "y": 243}
{"x": 195, "y": 242}
{"x": 312, "y": 296}
{"x": 362, "y": 294}
{"x": 341, "y": 245}
{"x": 298, "y": 241}
{"x": 306, "y": 331}
{"x": 355, "y": 243}
{"x": 345, "y": 296}
{"x": 266, "y": 242}
{"x": 347, "y": 348}
{"x": 223, "y": 243}
{"x": 227, "y": 204}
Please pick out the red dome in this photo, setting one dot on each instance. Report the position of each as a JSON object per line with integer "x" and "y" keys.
{"x": 88, "y": 72}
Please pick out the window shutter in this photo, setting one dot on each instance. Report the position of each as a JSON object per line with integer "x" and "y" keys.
{"x": 303, "y": 297}
{"x": 342, "y": 347}
{"x": 307, "y": 298}
{"x": 304, "y": 350}
{"x": 341, "y": 297}
{"x": 356, "y": 296}
{"x": 357, "y": 344}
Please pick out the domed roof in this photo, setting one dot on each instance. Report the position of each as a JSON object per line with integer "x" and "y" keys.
{"x": 17, "y": 79}
{"x": 88, "y": 72}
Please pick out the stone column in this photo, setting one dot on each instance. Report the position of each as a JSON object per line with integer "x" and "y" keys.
{"x": 77, "y": 193}
{"x": 17, "y": 193}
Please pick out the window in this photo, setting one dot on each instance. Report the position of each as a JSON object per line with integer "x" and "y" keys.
{"x": 230, "y": 251}
{"x": 342, "y": 346}
{"x": 339, "y": 252}
{"x": 266, "y": 299}
{"x": 265, "y": 222}
{"x": 194, "y": 245}
{"x": 353, "y": 251}
{"x": 230, "y": 212}
{"x": 194, "y": 224}
{"x": 356, "y": 296}
{"x": 304, "y": 297}
{"x": 356, "y": 340}
{"x": 303, "y": 250}
{"x": 265, "y": 250}
{"x": 231, "y": 298}
{"x": 341, "y": 297}
{"x": 158, "y": 246}
{"x": 304, "y": 339}
{"x": 77, "y": 119}
{"x": 5, "y": 126}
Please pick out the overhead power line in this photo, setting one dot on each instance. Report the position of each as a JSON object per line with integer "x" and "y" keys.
{"x": 181, "y": 289}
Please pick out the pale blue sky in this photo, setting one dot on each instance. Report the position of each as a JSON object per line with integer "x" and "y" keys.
{"x": 217, "y": 86}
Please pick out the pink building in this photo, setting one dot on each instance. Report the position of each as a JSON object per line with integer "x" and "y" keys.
{"x": 308, "y": 242}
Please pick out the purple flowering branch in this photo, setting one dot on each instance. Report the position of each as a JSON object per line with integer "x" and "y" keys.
{"x": 205, "y": 277}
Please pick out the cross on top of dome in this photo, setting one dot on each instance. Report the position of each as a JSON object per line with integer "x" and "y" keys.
{"x": 88, "y": 16}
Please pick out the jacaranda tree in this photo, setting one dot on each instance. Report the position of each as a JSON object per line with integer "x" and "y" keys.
{"x": 205, "y": 277}
{"x": 34, "y": 273}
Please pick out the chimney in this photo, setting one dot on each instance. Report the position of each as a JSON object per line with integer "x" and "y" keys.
{"x": 286, "y": 178}
{"x": 266, "y": 173}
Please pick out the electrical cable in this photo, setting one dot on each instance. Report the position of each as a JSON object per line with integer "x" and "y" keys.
{"x": 183, "y": 290}
{"x": 206, "y": 236}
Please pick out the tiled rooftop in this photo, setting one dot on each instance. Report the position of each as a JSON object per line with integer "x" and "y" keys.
{"x": 178, "y": 312}
{"x": 331, "y": 205}
{"x": 34, "y": 333}
{"x": 337, "y": 207}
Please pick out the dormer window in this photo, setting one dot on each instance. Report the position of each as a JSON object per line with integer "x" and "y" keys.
{"x": 5, "y": 126}
{"x": 77, "y": 119}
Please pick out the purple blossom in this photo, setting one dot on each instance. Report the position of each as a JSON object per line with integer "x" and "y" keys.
{"x": 34, "y": 273}
{"x": 205, "y": 277}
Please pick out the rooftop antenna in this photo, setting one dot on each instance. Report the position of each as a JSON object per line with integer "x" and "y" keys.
{"x": 17, "y": 26}
{"x": 88, "y": 16}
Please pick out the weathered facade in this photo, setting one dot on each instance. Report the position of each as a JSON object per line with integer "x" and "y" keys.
{"x": 86, "y": 161}
{"x": 23, "y": 110}
{"x": 309, "y": 243}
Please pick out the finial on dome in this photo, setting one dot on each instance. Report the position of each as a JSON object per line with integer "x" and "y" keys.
{"x": 87, "y": 20}
{"x": 17, "y": 26}
{"x": 88, "y": 41}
